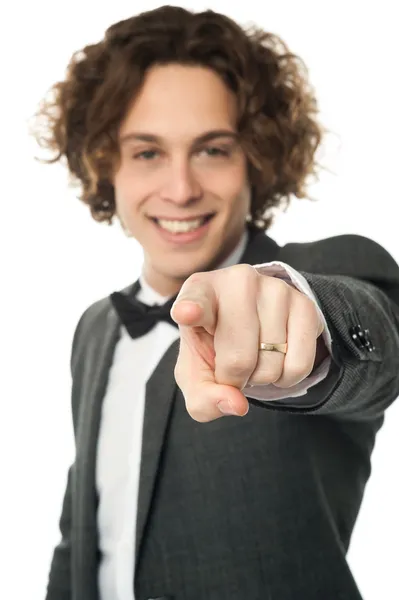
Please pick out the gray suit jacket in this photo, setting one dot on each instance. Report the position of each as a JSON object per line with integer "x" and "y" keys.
{"x": 261, "y": 507}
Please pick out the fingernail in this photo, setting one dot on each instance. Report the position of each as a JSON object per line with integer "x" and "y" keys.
{"x": 225, "y": 407}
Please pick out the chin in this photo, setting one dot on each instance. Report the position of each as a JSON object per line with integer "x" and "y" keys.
{"x": 206, "y": 263}
{"x": 183, "y": 273}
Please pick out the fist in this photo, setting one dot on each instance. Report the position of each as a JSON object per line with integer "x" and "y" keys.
{"x": 223, "y": 317}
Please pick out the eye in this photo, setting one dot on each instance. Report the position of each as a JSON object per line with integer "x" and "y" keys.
{"x": 146, "y": 155}
{"x": 216, "y": 151}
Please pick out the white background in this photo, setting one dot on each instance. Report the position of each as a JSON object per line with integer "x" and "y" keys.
{"x": 57, "y": 260}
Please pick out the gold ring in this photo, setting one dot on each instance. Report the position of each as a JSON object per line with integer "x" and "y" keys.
{"x": 274, "y": 347}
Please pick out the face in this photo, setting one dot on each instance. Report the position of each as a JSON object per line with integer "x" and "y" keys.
{"x": 181, "y": 186}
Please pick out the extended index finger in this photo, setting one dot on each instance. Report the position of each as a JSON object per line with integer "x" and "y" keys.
{"x": 196, "y": 312}
{"x": 196, "y": 304}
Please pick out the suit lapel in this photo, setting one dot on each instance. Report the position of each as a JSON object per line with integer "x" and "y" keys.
{"x": 260, "y": 249}
{"x": 98, "y": 360}
{"x": 161, "y": 391}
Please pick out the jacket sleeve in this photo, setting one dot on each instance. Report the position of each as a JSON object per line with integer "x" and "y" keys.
{"x": 59, "y": 585}
{"x": 361, "y": 306}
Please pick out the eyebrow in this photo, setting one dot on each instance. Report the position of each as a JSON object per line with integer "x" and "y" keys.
{"x": 205, "y": 137}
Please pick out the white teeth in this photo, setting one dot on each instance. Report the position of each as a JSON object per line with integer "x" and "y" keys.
{"x": 180, "y": 226}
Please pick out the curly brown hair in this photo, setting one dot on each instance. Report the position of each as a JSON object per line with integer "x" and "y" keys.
{"x": 277, "y": 110}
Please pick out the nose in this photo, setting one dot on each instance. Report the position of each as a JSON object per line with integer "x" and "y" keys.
{"x": 181, "y": 185}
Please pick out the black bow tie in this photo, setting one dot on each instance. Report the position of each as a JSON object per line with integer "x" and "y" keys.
{"x": 137, "y": 317}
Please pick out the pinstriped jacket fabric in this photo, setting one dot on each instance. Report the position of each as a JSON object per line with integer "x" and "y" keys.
{"x": 245, "y": 509}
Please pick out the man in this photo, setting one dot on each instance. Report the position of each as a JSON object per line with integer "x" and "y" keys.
{"x": 190, "y": 130}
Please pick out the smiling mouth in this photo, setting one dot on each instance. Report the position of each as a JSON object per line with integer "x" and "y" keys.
{"x": 182, "y": 225}
{"x": 206, "y": 216}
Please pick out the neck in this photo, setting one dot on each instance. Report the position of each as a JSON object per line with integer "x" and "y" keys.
{"x": 168, "y": 286}
{"x": 165, "y": 285}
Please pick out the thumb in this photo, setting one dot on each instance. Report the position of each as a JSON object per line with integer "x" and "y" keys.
{"x": 205, "y": 399}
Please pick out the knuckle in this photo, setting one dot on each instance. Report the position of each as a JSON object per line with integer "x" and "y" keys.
{"x": 245, "y": 273}
{"x": 239, "y": 365}
{"x": 298, "y": 372}
{"x": 245, "y": 269}
{"x": 191, "y": 283}
{"x": 294, "y": 374}
{"x": 272, "y": 373}
{"x": 195, "y": 277}
{"x": 307, "y": 307}
{"x": 279, "y": 287}
{"x": 266, "y": 374}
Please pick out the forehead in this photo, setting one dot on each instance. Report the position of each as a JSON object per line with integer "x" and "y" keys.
{"x": 181, "y": 101}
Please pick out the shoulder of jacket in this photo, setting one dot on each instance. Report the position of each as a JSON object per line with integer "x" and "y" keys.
{"x": 89, "y": 326}
{"x": 347, "y": 254}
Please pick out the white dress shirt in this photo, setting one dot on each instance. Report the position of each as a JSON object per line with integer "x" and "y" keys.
{"x": 120, "y": 437}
